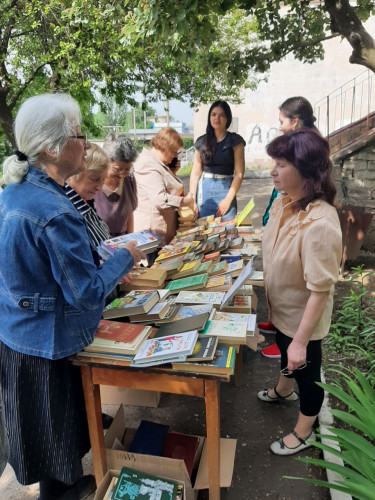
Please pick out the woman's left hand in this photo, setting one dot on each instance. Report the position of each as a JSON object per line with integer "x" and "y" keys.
{"x": 223, "y": 207}
{"x": 296, "y": 355}
{"x": 127, "y": 278}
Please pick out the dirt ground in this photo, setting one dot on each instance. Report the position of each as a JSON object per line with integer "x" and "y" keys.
{"x": 258, "y": 474}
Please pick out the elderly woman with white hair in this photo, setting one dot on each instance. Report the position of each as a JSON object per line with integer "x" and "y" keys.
{"x": 52, "y": 292}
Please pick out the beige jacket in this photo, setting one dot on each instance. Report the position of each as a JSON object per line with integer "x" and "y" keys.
{"x": 301, "y": 253}
{"x": 159, "y": 194}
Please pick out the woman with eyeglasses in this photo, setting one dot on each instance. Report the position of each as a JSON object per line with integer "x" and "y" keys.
{"x": 52, "y": 293}
{"x": 219, "y": 165}
{"x": 301, "y": 258}
{"x": 160, "y": 192}
{"x": 118, "y": 199}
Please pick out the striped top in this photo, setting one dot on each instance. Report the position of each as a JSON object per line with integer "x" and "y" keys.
{"x": 97, "y": 228}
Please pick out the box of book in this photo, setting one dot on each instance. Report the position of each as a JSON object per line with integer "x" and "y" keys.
{"x": 116, "y": 439}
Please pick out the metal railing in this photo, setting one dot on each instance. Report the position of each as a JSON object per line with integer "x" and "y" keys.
{"x": 353, "y": 101}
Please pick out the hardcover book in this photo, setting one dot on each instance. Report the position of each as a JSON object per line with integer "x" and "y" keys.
{"x": 159, "y": 311}
{"x": 190, "y": 283}
{"x": 222, "y": 364}
{"x": 182, "y": 447}
{"x": 132, "y": 303}
{"x": 219, "y": 268}
{"x": 135, "y": 485}
{"x": 143, "y": 278}
{"x": 238, "y": 304}
{"x": 146, "y": 241}
{"x": 220, "y": 283}
{"x": 214, "y": 298}
{"x": 118, "y": 338}
{"x": 181, "y": 344}
{"x": 187, "y": 318}
{"x": 227, "y": 332}
{"x": 204, "y": 349}
{"x": 149, "y": 438}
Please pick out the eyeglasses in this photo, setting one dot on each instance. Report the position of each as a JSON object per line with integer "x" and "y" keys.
{"x": 82, "y": 137}
{"x": 122, "y": 171}
{"x": 286, "y": 372}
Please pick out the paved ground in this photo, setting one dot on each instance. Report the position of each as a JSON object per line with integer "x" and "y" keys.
{"x": 258, "y": 474}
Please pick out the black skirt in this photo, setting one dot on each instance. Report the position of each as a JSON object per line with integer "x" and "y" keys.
{"x": 45, "y": 416}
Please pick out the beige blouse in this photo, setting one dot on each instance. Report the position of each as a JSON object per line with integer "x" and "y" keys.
{"x": 301, "y": 253}
{"x": 159, "y": 194}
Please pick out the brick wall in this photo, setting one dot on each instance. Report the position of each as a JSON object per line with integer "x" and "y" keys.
{"x": 355, "y": 180}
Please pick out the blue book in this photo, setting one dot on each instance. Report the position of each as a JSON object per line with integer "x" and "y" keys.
{"x": 149, "y": 438}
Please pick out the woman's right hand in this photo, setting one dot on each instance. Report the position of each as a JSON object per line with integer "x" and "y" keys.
{"x": 134, "y": 251}
{"x": 188, "y": 201}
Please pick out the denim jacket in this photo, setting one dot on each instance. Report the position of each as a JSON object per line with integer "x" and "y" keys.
{"x": 51, "y": 291}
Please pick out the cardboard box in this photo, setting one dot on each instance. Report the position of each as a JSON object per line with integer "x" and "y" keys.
{"x": 103, "y": 486}
{"x": 168, "y": 467}
{"x": 111, "y": 395}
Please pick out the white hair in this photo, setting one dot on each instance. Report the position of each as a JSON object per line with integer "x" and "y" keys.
{"x": 43, "y": 122}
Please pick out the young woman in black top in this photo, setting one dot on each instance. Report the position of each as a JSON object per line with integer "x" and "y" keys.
{"x": 219, "y": 165}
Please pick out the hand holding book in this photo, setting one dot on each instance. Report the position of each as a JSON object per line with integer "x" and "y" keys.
{"x": 134, "y": 251}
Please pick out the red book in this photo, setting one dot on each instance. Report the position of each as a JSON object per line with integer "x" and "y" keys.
{"x": 215, "y": 257}
{"x": 114, "y": 337}
{"x": 183, "y": 447}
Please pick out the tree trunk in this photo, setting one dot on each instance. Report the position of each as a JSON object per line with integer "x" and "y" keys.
{"x": 345, "y": 21}
{"x": 6, "y": 120}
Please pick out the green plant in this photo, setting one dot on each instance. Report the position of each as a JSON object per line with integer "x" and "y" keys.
{"x": 354, "y": 316}
{"x": 357, "y": 444}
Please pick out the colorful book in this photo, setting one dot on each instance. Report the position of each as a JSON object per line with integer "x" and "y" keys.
{"x": 238, "y": 304}
{"x": 132, "y": 303}
{"x": 143, "y": 278}
{"x": 220, "y": 283}
{"x": 235, "y": 268}
{"x": 214, "y": 257}
{"x": 181, "y": 447}
{"x": 187, "y": 318}
{"x": 248, "y": 319}
{"x": 133, "y": 484}
{"x": 214, "y": 298}
{"x": 187, "y": 269}
{"x": 190, "y": 283}
{"x": 118, "y": 338}
{"x": 149, "y": 438}
{"x": 239, "y": 282}
{"x": 245, "y": 212}
{"x": 169, "y": 252}
{"x": 146, "y": 241}
{"x": 223, "y": 363}
{"x": 181, "y": 344}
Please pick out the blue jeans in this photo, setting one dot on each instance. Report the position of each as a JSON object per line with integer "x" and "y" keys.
{"x": 215, "y": 190}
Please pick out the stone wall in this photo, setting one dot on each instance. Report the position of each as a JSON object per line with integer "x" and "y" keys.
{"x": 355, "y": 180}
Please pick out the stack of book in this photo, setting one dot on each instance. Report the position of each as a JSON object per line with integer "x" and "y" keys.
{"x": 186, "y": 218}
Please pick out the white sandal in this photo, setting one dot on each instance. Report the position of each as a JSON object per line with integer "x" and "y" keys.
{"x": 263, "y": 396}
{"x": 280, "y": 448}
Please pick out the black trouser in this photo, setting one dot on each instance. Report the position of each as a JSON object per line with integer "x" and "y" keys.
{"x": 311, "y": 395}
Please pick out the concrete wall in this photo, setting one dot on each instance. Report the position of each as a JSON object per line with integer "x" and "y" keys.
{"x": 257, "y": 118}
{"x": 355, "y": 179}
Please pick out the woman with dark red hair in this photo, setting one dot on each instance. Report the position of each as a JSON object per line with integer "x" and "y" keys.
{"x": 301, "y": 256}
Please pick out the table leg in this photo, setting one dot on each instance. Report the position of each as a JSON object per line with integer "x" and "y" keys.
{"x": 94, "y": 419}
{"x": 238, "y": 368}
{"x": 212, "y": 398}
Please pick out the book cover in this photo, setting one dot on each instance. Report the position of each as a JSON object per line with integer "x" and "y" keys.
{"x": 187, "y": 269}
{"x": 133, "y": 484}
{"x": 222, "y": 364}
{"x": 219, "y": 283}
{"x": 214, "y": 298}
{"x": 190, "y": 283}
{"x": 239, "y": 282}
{"x": 132, "y": 303}
{"x": 187, "y": 318}
{"x": 159, "y": 311}
{"x": 238, "y": 303}
{"x": 146, "y": 241}
{"x": 115, "y": 337}
{"x": 204, "y": 267}
{"x": 169, "y": 252}
{"x": 219, "y": 268}
{"x": 215, "y": 257}
{"x": 245, "y": 212}
{"x": 237, "y": 243}
{"x": 227, "y": 331}
{"x": 235, "y": 268}
{"x": 181, "y": 447}
{"x": 204, "y": 349}
{"x": 149, "y": 438}
{"x": 181, "y": 344}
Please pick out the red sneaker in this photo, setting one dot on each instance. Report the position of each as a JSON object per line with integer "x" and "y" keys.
{"x": 266, "y": 328}
{"x": 271, "y": 351}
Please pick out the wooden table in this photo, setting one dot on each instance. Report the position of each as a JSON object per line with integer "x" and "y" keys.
{"x": 96, "y": 371}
